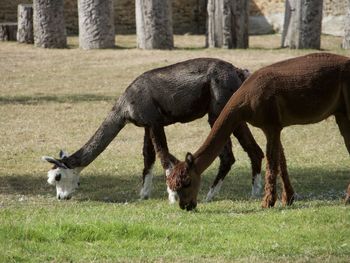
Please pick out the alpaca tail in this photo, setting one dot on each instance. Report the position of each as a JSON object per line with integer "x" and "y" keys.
{"x": 108, "y": 130}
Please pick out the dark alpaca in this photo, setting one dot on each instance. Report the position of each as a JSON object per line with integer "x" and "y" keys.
{"x": 302, "y": 90}
{"x": 181, "y": 92}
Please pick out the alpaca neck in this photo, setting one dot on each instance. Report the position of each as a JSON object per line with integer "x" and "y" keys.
{"x": 107, "y": 131}
{"x": 232, "y": 114}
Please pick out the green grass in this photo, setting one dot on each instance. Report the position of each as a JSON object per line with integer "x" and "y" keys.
{"x": 153, "y": 230}
{"x": 53, "y": 99}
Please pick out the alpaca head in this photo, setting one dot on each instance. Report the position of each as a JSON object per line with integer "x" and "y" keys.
{"x": 243, "y": 74}
{"x": 185, "y": 181}
{"x": 65, "y": 179}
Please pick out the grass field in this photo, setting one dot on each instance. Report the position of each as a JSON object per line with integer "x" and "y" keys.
{"x": 53, "y": 99}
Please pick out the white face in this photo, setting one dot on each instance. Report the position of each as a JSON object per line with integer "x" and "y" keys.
{"x": 65, "y": 180}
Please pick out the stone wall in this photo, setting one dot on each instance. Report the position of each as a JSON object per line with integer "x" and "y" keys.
{"x": 8, "y": 12}
{"x": 334, "y": 7}
{"x": 267, "y": 16}
{"x": 334, "y": 12}
{"x": 264, "y": 7}
{"x": 8, "y": 9}
{"x": 189, "y": 15}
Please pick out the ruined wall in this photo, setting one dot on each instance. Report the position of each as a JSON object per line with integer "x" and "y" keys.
{"x": 267, "y": 16}
{"x": 330, "y": 7}
{"x": 8, "y": 12}
{"x": 8, "y": 9}
{"x": 261, "y": 7}
{"x": 189, "y": 15}
{"x": 334, "y": 7}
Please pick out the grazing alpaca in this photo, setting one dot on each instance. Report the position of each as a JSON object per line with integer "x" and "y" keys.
{"x": 302, "y": 90}
{"x": 181, "y": 92}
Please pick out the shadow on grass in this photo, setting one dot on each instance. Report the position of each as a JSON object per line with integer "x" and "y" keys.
{"x": 125, "y": 47}
{"x": 315, "y": 183}
{"x": 76, "y": 46}
{"x": 309, "y": 183}
{"x": 190, "y": 48}
{"x": 54, "y": 98}
{"x": 101, "y": 187}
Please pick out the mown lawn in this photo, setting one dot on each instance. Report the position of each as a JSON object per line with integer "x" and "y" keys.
{"x": 53, "y": 99}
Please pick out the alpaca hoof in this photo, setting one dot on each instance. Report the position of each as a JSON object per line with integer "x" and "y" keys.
{"x": 347, "y": 200}
{"x": 268, "y": 202}
{"x": 257, "y": 187}
{"x": 214, "y": 190}
{"x": 209, "y": 197}
{"x": 146, "y": 189}
{"x": 144, "y": 196}
{"x": 145, "y": 193}
{"x": 287, "y": 201}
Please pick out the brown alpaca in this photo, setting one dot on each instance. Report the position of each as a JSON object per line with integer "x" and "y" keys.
{"x": 301, "y": 90}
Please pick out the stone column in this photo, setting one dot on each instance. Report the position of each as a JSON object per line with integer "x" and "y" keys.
{"x": 49, "y": 25}
{"x": 25, "y": 24}
{"x": 154, "y": 24}
{"x": 302, "y": 24}
{"x": 346, "y": 40}
{"x": 228, "y": 23}
{"x": 96, "y": 24}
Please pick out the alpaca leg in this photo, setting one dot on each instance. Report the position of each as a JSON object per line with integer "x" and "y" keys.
{"x": 167, "y": 160}
{"x": 249, "y": 145}
{"x": 288, "y": 192}
{"x": 226, "y": 161}
{"x": 158, "y": 138}
{"x": 272, "y": 167}
{"x": 347, "y": 198}
{"x": 149, "y": 158}
{"x": 344, "y": 127}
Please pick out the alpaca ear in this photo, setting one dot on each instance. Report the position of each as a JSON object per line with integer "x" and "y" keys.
{"x": 189, "y": 159}
{"x": 246, "y": 73}
{"x": 54, "y": 161}
{"x": 63, "y": 154}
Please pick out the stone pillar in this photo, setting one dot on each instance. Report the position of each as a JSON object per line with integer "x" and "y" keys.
{"x": 241, "y": 25}
{"x": 346, "y": 40}
{"x": 228, "y": 23}
{"x": 49, "y": 25}
{"x": 214, "y": 36}
{"x": 96, "y": 24}
{"x": 289, "y": 25}
{"x": 154, "y": 26}
{"x": 302, "y": 24}
{"x": 25, "y": 24}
